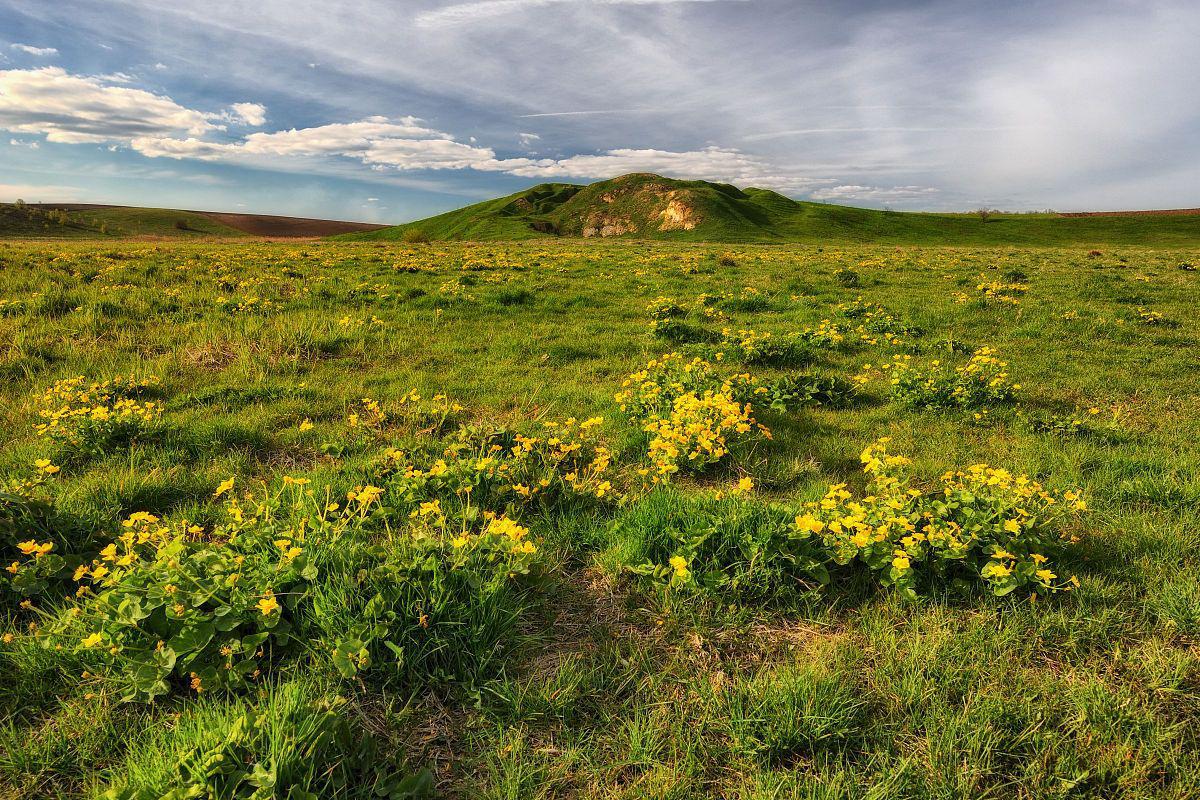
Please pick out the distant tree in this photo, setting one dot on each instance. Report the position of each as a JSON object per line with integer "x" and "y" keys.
{"x": 984, "y": 214}
{"x": 20, "y": 204}
{"x": 181, "y": 225}
{"x": 415, "y": 236}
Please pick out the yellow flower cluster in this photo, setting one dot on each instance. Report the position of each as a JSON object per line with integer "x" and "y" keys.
{"x": 826, "y": 334}
{"x": 72, "y": 408}
{"x": 1000, "y": 291}
{"x": 698, "y": 431}
{"x": 982, "y": 380}
{"x": 984, "y": 522}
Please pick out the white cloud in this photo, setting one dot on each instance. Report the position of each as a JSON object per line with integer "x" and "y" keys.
{"x": 22, "y": 143}
{"x": 406, "y": 144}
{"x": 41, "y": 52}
{"x": 254, "y": 114}
{"x": 74, "y": 108}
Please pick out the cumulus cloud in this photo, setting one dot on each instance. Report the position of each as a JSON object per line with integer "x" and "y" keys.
{"x": 408, "y": 144}
{"x": 40, "y": 52}
{"x": 75, "y": 108}
{"x": 254, "y": 114}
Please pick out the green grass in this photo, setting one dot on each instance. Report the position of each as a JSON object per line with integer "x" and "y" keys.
{"x": 110, "y": 222}
{"x": 727, "y": 214}
{"x": 587, "y": 677}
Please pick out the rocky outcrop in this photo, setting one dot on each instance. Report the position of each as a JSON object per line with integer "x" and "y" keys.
{"x": 679, "y": 215}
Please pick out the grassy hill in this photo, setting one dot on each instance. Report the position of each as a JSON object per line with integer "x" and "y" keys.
{"x": 87, "y": 221}
{"x": 79, "y": 221}
{"x": 653, "y": 207}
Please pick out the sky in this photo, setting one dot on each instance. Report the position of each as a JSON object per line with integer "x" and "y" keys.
{"x": 392, "y": 110}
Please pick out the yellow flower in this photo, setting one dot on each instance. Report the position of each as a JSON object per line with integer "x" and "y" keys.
{"x": 994, "y": 570}
{"x": 32, "y": 548}
{"x": 809, "y": 524}
{"x": 225, "y": 486}
{"x": 306, "y": 425}
{"x": 368, "y": 495}
{"x": 93, "y": 640}
{"x": 745, "y": 485}
{"x": 901, "y": 563}
{"x": 1012, "y": 526}
{"x": 1046, "y": 575}
{"x": 268, "y": 605}
{"x": 680, "y": 565}
{"x": 44, "y": 465}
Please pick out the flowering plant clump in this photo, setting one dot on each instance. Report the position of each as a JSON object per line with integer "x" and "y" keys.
{"x": 979, "y": 525}
{"x": 90, "y": 416}
{"x": 699, "y": 431}
{"x": 31, "y": 536}
{"x": 876, "y": 323}
{"x": 440, "y": 594}
{"x": 982, "y": 381}
{"x": 763, "y": 347}
{"x": 667, "y": 322}
{"x": 652, "y": 391}
{"x": 692, "y": 413}
{"x": 664, "y": 308}
{"x": 1002, "y": 292}
{"x": 1148, "y": 317}
{"x": 173, "y": 605}
{"x": 370, "y": 417}
{"x": 502, "y": 471}
{"x": 827, "y": 334}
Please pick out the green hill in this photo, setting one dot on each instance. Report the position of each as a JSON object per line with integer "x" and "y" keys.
{"x": 90, "y": 221}
{"x": 647, "y": 206}
{"x": 83, "y": 221}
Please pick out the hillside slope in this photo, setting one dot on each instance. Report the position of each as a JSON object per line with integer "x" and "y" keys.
{"x": 88, "y": 220}
{"x": 647, "y": 206}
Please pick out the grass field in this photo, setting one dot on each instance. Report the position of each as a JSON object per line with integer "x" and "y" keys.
{"x": 355, "y": 519}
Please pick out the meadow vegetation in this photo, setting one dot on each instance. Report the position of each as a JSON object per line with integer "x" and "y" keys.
{"x": 623, "y": 519}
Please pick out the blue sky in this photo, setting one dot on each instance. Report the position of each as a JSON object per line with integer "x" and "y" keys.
{"x": 391, "y": 110}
